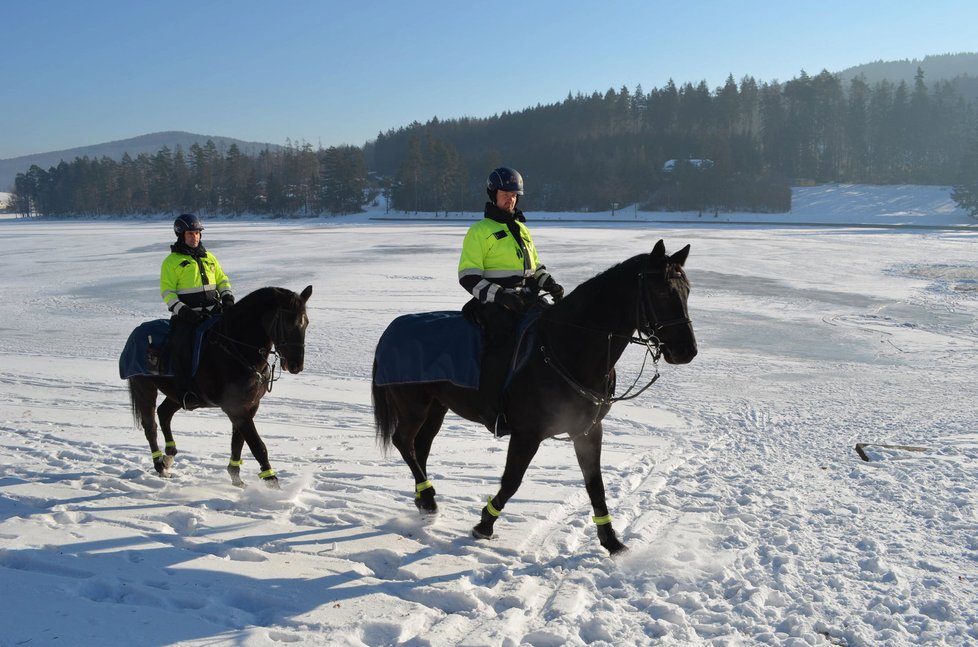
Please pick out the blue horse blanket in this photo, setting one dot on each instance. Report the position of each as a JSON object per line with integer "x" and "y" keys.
{"x": 146, "y": 351}
{"x": 438, "y": 346}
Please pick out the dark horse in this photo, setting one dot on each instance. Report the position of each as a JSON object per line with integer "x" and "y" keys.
{"x": 234, "y": 373}
{"x": 566, "y": 385}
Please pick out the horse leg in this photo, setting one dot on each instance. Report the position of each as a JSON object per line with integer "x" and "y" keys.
{"x": 588, "y": 449}
{"x": 142, "y": 397}
{"x": 518, "y": 456}
{"x": 246, "y": 427}
{"x": 425, "y": 496}
{"x": 404, "y": 439}
{"x": 165, "y": 413}
{"x": 234, "y": 465}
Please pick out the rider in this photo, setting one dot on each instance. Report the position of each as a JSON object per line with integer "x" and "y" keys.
{"x": 500, "y": 268}
{"x": 193, "y": 287}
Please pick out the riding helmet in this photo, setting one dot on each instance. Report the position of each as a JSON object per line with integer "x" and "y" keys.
{"x": 186, "y": 222}
{"x": 505, "y": 179}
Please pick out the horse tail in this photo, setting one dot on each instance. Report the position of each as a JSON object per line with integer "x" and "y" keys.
{"x": 385, "y": 417}
{"x": 137, "y": 417}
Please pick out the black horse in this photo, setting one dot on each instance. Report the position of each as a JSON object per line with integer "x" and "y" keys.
{"x": 566, "y": 385}
{"x": 233, "y": 374}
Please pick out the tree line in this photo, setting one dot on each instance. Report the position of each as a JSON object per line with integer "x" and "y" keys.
{"x": 588, "y": 152}
{"x": 592, "y": 151}
{"x": 295, "y": 180}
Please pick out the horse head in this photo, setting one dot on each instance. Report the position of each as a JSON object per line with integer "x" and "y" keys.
{"x": 662, "y": 310}
{"x": 286, "y": 327}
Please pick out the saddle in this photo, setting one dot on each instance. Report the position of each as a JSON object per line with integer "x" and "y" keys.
{"x": 147, "y": 353}
{"x": 438, "y": 346}
{"x": 442, "y": 346}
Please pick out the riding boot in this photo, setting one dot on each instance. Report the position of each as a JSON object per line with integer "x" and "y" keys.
{"x": 492, "y": 375}
{"x": 181, "y": 360}
{"x": 499, "y": 341}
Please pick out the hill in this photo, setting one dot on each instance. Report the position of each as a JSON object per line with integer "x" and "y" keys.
{"x": 149, "y": 144}
{"x": 944, "y": 67}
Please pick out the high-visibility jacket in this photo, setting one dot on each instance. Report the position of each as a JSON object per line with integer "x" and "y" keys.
{"x": 498, "y": 253}
{"x": 197, "y": 282}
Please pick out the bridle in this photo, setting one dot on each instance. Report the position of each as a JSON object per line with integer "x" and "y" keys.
{"x": 276, "y": 330}
{"x": 647, "y": 325}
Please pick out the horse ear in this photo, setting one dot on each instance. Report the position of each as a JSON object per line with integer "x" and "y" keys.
{"x": 659, "y": 249}
{"x": 679, "y": 257}
{"x": 306, "y": 293}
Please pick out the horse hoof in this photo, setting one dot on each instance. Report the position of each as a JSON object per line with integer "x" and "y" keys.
{"x": 235, "y": 473}
{"x": 481, "y": 534}
{"x": 272, "y": 482}
{"x": 426, "y": 502}
{"x": 617, "y": 550}
{"x": 482, "y": 531}
{"x": 167, "y": 462}
{"x": 609, "y": 540}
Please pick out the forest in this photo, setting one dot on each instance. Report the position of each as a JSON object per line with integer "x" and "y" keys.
{"x": 739, "y": 147}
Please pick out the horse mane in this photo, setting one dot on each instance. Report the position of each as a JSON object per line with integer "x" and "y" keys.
{"x": 269, "y": 297}
{"x": 602, "y": 292}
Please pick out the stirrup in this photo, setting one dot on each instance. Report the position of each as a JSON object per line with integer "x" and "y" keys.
{"x": 501, "y": 426}
{"x": 191, "y": 401}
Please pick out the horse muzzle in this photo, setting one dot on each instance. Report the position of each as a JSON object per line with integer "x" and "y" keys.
{"x": 680, "y": 354}
{"x": 292, "y": 365}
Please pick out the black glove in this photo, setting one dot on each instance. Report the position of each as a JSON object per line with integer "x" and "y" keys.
{"x": 554, "y": 288}
{"x": 190, "y": 315}
{"x": 227, "y": 301}
{"x": 510, "y": 299}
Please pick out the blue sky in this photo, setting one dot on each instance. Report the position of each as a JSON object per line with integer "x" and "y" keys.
{"x": 329, "y": 73}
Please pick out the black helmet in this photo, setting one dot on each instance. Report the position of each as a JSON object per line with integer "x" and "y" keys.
{"x": 506, "y": 179}
{"x": 186, "y": 222}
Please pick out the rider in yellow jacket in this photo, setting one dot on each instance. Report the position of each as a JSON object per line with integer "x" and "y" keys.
{"x": 500, "y": 268}
{"x": 193, "y": 286}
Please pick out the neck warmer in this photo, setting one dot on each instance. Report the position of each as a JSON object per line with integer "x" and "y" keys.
{"x": 497, "y": 214}
{"x": 181, "y": 247}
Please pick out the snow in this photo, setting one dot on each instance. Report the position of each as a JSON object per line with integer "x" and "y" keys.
{"x": 734, "y": 480}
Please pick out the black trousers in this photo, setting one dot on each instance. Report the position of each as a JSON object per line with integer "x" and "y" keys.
{"x": 181, "y": 346}
{"x": 499, "y": 327}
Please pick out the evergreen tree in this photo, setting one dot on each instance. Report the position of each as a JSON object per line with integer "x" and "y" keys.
{"x": 965, "y": 192}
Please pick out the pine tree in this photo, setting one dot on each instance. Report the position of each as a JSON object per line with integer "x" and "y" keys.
{"x": 965, "y": 192}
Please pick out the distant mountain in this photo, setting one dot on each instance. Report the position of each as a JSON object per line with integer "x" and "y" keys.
{"x": 941, "y": 67}
{"x": 149, "y": 144}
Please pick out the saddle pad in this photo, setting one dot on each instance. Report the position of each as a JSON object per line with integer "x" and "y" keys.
{"x": 135, "y": 356}
{"x": 146, "y": 351}
{"x": 429, "y": 347}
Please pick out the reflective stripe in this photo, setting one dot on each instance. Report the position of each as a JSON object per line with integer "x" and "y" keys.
{"x": 237, "y": 463}
{"x": 171, "y": 443}
{"x": 420, "y": 487}
{"x": 507, "y": 274}
{"x": 602, "y": 521}
{"x": 267, "y": 474}
{"x": 157, "y": 454}
{"x": 490, "y": 509}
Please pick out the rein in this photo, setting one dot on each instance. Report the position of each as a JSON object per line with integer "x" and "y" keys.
{"x": 267, "y": 376}
{"x": 647, "y": 325}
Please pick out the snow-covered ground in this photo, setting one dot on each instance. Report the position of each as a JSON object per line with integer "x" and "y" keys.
{"x": 734, "y": 480}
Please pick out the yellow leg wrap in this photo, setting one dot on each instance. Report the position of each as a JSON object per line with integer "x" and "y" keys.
{"x": 602, "y": 521}
{"x": 237, "y": 463}
{"x": 171, "y": 443}
{"x": 420, "y": 487}
{"x": 157, "y": 454}
{"x": 490, "y": 509}
{"x": 267, "y": 474}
